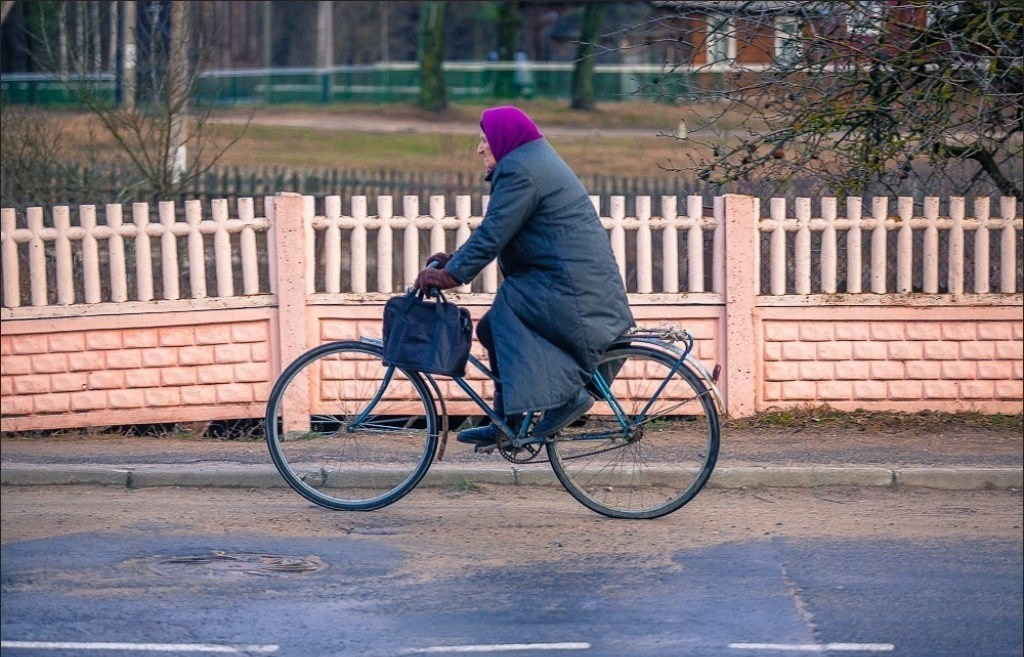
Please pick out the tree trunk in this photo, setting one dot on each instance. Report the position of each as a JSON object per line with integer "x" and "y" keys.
{"x": 583, "y": 71}
{"x": 433, "y": 96}
{"x": 508, "y": 33}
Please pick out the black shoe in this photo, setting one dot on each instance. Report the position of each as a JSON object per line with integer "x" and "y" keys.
{"x": 559, "y": 418}
{"x": 484, "y": 436}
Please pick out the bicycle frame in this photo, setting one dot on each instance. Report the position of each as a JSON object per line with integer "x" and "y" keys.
{"x": 519, "y": 437}
{"x": 662, "y": 339}
{"x": 473, "y": 394}
{"x": 636, "y": 457}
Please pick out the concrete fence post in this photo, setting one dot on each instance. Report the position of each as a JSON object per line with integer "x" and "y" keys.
{"x": 742, "y": 241}
{"x": 289, "y": 255}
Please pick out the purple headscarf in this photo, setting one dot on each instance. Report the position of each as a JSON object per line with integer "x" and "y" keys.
{"x": 507, "y": 128}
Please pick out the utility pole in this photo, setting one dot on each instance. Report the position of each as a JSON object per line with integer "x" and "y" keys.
{"x": 177, "y": 89}
{"x": 325, "y": 46}
{"x": 127, "y": 59}
{"x": 5, "y": 8}
{"x": 385, "y": 31}
{"x": 267, "y": 34}
{"x": 268, "y": 45}
{"x": 385, "y": 47}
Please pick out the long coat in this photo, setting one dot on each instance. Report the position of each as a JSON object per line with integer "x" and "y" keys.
{"x": 562, "y": 300}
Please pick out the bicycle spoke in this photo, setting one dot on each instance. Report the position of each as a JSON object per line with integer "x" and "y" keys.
{"x": 374, "y": 443}
{"x": 655, "y": 463}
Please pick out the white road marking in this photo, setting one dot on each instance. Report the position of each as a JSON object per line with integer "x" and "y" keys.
{"x": 816, "y": 647}
{"x": 138, "y": 647}
{"x": 499, "y": 647}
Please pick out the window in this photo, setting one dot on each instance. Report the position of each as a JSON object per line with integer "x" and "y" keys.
{"x": 720, "y": 41}
{"x": 865, "y": 18}
{"x": 787, "y": 40}
{"x": 942, "y": 12}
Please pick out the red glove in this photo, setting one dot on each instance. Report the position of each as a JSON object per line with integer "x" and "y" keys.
{"x": 435, "y": 278}
{"x": 441, "y": 258}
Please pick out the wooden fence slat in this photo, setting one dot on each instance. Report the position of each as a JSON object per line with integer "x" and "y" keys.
{"x": 115, "y": 254}
{"x": 143, "y": 253}
{"x": 62, "y": 256}
{"x": 1008, "y": 246}
{"x": 981, "y": 246}
{"x": 338, "y": 259}
{"x": 90, "y": 254}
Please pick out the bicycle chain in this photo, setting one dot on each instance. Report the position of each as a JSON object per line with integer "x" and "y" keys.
{"x": 509, "y": 453}
{"x": 634, "y": 438}
{"x": 598, "y": 451}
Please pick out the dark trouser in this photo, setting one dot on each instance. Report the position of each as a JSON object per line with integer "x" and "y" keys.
{"x": 486, "y": 337}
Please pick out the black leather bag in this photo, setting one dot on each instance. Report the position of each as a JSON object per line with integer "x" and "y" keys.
{"x": 428, "y": 336}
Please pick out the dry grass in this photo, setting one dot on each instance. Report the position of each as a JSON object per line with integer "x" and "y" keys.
{"x": 828, "y": 419}
{"x": 822, "y": 418}
{"x": 588, "y": 153}
{"x": 551, "y": 113}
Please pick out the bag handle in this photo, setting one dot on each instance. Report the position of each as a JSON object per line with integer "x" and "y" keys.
{"x": 423, "y": 294}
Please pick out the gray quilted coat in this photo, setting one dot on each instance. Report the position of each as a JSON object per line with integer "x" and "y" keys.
{"x": 562, "y": 300}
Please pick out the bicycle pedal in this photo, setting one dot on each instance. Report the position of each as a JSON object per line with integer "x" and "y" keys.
{"x": 485, "y": 449}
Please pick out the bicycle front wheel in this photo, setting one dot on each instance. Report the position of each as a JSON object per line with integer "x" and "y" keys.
{"x": 664, "y": 453}
{"x": 347, "y": 432}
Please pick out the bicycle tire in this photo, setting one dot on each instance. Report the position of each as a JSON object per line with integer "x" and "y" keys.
{"x": 663, "y": 462}
{"x": 327, "y": 458}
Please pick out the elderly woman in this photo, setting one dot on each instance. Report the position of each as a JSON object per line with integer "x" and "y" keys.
{"x": 561, "y": 301}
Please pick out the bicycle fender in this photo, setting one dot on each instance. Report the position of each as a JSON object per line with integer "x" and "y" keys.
{"x": 690, "y": 359}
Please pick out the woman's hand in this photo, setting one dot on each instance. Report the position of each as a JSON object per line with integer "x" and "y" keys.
{"x": 435, "y": 278}
{"x": 441, "y": 258}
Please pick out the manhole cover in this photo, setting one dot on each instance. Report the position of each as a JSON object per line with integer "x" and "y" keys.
{"x": 235, "y": 564}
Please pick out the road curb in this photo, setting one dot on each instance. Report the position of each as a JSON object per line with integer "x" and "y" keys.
{"x": 800, "y": 477}
{"x": 955, "y": 479}
{"x": 725, "y": 477}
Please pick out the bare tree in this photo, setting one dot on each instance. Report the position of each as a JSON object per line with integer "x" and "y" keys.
{"x": 854, "y": 95}
{"x": 159, "y": 136}
{"x": 34, "y": 169}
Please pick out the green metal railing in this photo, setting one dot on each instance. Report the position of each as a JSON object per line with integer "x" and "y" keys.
{"x": 381, "y": 83}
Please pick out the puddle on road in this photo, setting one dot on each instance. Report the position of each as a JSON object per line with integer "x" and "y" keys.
{"x": 220, "y": 563}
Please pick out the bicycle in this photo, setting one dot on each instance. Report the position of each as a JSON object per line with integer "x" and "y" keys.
{"x": 349, "y": 433}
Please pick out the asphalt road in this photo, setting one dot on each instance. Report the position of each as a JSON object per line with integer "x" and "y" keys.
{"x": 499, "y": 570}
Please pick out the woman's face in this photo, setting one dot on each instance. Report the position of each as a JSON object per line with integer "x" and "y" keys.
{"x": 484, "y": 149}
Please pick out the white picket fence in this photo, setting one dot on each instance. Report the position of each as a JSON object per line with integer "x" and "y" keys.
{"x": 68, "y": 259}
{"x": 62, "y": 262}
{"x": 877, "y": 228}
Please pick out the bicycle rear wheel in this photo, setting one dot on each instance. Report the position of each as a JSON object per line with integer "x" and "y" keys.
{"x": 347, "y": 432}
{"x": 662, "y": 459}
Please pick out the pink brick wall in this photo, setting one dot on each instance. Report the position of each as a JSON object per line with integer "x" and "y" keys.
{"x": 209, "y": 364}
{"x": 888, "y": 358}
{"x": 134, "y": 368}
